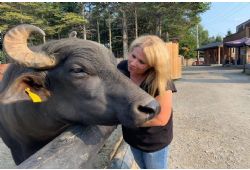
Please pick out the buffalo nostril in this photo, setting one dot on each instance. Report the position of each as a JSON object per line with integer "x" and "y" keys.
{"x": 152, "y": 108}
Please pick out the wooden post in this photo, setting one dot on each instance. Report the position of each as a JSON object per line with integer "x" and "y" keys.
{"x": 219, "y": 55}
{"x": 198, "y": 57}
{"x": 123, "y": 158}
{"x": 230, "y": 52}
{"x": 175, "y": 60}
{"x": 245, "y": 60}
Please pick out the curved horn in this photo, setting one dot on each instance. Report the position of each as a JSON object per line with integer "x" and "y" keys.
{"x": 15, "y": 45}
{"x": 73, "y": 34}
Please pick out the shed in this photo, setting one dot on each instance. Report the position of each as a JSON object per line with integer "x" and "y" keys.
{"x": 213, "y": 53}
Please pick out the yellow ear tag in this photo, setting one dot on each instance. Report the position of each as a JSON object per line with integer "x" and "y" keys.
{"x": 34, "y": 97}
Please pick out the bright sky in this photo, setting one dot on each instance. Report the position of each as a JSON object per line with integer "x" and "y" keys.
{"x": 224, "y": 16}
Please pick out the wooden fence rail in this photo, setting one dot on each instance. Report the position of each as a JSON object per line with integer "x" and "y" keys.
{"x": 75, "y": 148}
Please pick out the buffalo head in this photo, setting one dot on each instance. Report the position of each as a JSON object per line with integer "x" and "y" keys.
{"x": 77, "y": 82}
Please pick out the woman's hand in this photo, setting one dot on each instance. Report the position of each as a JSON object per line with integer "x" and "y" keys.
{"x": 162, "y": 118}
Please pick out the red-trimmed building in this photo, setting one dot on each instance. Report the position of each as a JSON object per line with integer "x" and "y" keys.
{"x": 235, "y": 49}
{"x": 239, "y": 42}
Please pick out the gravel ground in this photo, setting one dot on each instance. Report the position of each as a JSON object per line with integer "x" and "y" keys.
{"x": 6, "y": 161}
{"x": 211, "y": 121}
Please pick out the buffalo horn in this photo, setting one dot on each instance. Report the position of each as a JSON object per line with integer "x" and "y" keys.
{"x": 15, "y": 45}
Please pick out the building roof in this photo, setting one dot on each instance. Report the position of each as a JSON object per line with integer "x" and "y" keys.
{"x": 211, "y": 45}
{"x": 238, "y": 43}
{"x": 242, "y": 25}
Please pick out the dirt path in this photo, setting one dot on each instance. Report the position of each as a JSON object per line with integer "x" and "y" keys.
{"x": 211, "y": 119}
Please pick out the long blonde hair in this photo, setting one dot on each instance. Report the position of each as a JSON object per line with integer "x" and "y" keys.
{"x": 157, "y": 57}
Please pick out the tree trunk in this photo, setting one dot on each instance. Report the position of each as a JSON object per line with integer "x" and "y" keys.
{"x": 124, "y": 35}
{"x": 84, "y": 32}
{"x": 156, "y": 28}
{"x": 98, "y": 31}
{"x": 110, "y": 34}
{"x": 20, "y": 8}
{"x": 160, "y": 26}
{"x": 136, "y": 24}
{"x": 167, "y": 37}
{"x": 83, "y": 15}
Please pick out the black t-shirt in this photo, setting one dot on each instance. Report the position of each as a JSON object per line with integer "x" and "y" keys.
{"x": 148, "y": 139}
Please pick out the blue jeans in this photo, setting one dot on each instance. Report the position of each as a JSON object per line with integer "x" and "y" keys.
{"x": 151, "y": 160}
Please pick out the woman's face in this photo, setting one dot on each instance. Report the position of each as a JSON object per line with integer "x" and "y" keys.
{"x": 137, "y": 61}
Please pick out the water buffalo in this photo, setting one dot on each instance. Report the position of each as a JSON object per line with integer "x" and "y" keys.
{"x": 75, "y": 81}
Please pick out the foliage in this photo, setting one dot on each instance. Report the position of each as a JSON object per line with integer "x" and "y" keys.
{"x": 169, "y": 20}
{"x": 229, "y": 33}
{"x": 51, "y": 17}
{"x": 188, "y": 44}
{"x": 2, "y": 57}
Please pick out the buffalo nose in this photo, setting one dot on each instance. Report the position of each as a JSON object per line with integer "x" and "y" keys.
{"x": 152, "y": 108}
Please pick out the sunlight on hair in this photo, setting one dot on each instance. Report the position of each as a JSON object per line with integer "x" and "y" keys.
{"x": 157, "y": 57}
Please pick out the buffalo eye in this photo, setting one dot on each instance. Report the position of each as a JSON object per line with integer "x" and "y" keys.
{"x": 77, "y": 71}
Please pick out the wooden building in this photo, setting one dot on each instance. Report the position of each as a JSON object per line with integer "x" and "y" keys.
{"x": 213, "y": 53}
{"x": 239, "y": 42}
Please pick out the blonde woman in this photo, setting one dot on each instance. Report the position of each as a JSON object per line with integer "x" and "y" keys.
{"x": 148, "y": 67}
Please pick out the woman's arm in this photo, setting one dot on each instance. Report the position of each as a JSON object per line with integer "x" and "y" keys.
{"x": 162, "y": 118}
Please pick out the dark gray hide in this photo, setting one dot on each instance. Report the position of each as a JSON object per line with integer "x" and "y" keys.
{"x": 84, "y": 87}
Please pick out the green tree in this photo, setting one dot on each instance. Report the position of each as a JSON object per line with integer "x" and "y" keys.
{"x": 203, "y": 36}
{"x": 111, "y": 23}
{"x": 51, "y": 17}
{"x": 229, "y": 33}
{"x": 213, "y": 39}
{"x": 188, "y": 44}
{"x": 218, "y": 38}
{"x": 189, "y": 41}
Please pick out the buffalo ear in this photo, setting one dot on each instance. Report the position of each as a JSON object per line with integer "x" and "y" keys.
{"x": 24, "y": 88}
